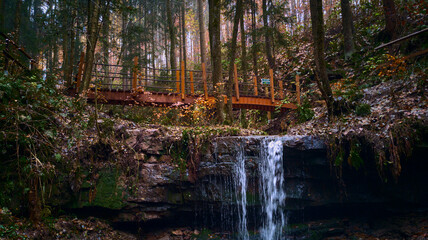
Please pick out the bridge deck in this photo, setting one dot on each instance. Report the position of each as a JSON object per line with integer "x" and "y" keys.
{"x": 143, "y": 85}
{"x": 175, "y": 99}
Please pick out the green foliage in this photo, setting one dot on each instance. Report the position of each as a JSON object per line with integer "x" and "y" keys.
{"x": 355, "y": 160}
{"x": 304, "y": 111}
{"x": 179, "y": 152}
{"x": 363, "y": 109}
{"x": 339, "y": 158}
{"x": 29, "y": 119}
{"x": 282, "y": 102}
{"x": 9, "y": 229}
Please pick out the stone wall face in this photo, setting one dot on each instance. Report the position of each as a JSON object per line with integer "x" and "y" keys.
{"x": 145, "y": 183}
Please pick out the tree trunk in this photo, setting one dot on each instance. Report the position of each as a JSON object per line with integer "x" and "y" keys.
{"x": 54, "y": 41}
{"x": 69, "y": 42}
{"x": 69, "y": 77}
{"x": 254, "y": 36}
{"x": 105, "y": 41}
{"x": 153, "y": 40}
{"x": 125, "y": 44}
{"x": 2, "y": 15}
{"x": 244, "y": 121}
{"x": 91, "y": 42}
{"x": 214, "y": 30}
{"x": 321, "y": 71}
{"x": 347, "y": 25}
{"x": 171, "y": 29}
{"x": 305, "y": 15}
{"x": 268, "y": 37}
{"x": 232, "y": 53}
{"x": 390, "y": 18}
{"x": 183, "y": 32}
{"x": 17, "y": 22}
{"x": 294, "y": 17}
{"x": 65, "y": 41}
{"x": 202, "y": 31}
{"x": 37, "y": 13}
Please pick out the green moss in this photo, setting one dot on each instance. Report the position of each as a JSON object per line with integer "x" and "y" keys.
{"x": 339, "y": 158}
{"x": 106, "y": 193}
{"x": 174, "y": 197}
{"x": 355, "y": 159}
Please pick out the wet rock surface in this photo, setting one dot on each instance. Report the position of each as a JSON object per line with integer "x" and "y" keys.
{"x": 144, "y": 183}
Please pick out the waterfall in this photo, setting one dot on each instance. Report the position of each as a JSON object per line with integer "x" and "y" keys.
{"x": 272, "y": 189}
{"x": 248, "y": 192}
{"x": 240, "y": 177}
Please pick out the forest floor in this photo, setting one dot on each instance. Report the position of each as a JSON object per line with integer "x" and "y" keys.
{"x": 411, "y": 226}
{"x": 390, "y": 103}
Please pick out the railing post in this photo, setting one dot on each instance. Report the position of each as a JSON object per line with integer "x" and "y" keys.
{"x": 298, "y": 89}
{"x": 281, "y": 89}
{"x": 235, "y": 76}
{"x": 33, "y": 64}
{"x": 80, "y": 71}
{"x": 183, "y": 87}
{"x": 204, "y": 78}
{"x": 192, "y": 86}
{"x": 141, "y": 79}
{"x": 272, "y": 92}
{"x": 256, "y": 91}
{"x": 177, "y": 81}
{"x": 134, "y": 74}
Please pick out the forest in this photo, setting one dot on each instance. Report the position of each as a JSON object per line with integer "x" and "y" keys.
{"x": 155, "y": 119}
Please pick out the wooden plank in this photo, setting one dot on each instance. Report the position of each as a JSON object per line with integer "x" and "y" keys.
{"x": 80, "y": 71}
{"x": 134, "y": 74}
{"x": 192, "y": 86}
{"x": 183, "y": 89}
{"x": 235, "y": 76}
{"x": 298, "y": 89}
{"x": 281, "y": 89}
{"x": 163, "y": 99}
{"x": 204, "y": 78}
{"x": 177, "y": 81}
{"x": 256, "y": 92}
{"x": 272, "y": 90}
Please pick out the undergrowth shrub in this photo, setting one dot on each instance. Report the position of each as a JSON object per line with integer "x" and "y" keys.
{"x": 363, "y": 109}
{"x": 304, "y": 111}
{"x": 31, "y": 112}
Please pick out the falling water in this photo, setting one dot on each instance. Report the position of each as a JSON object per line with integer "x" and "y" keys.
{"x": 240, "y": 177}
{"x": 236, "y": 213}
{"x": 272, "y": 189}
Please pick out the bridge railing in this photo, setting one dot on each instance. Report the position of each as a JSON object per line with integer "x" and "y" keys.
{"x": 15, "y": 57}
{"x": 186, "y": 82}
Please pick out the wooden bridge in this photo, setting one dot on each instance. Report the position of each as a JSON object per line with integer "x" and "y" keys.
{"x": 141, "y": 85}
{"x": 117, "y": 84}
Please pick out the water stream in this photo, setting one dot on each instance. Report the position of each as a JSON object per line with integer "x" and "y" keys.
{"x": 271, "y": 190}
{"x": 249, "y": 195}
{"x": 240, "y": 178}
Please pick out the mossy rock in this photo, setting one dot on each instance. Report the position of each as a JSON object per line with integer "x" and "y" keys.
{"x": 107, "y": 193}
{"x": 174, "y": 197}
